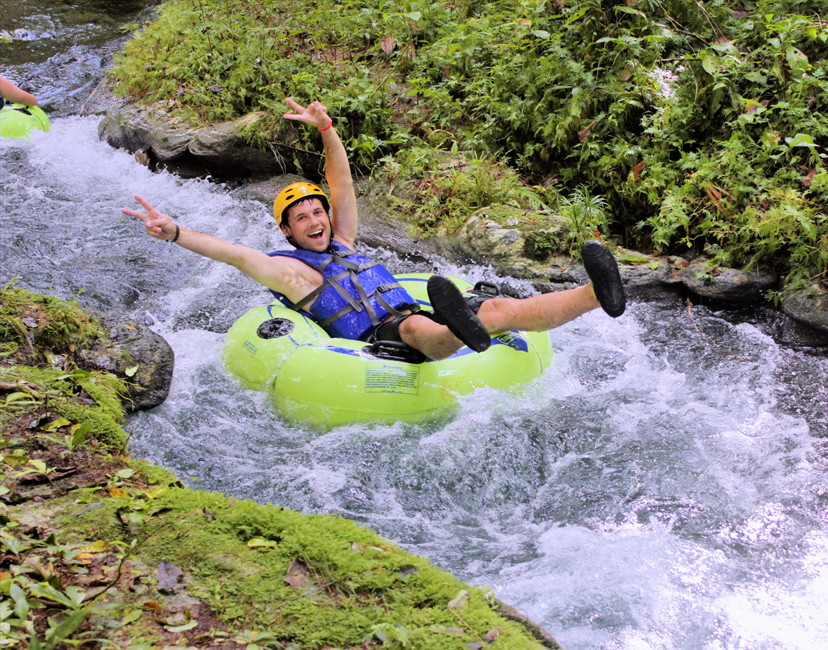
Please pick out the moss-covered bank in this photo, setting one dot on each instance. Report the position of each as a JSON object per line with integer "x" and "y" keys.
{"x": 97, "y": 545}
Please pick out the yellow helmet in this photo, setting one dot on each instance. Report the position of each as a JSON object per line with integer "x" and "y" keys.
{"x": 293, "y": 193}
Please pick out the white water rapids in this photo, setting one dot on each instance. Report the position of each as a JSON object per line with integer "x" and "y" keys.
{"x": 659, "y": 487}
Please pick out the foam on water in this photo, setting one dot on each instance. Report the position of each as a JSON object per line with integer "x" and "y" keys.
{"x": 659, "y": 487}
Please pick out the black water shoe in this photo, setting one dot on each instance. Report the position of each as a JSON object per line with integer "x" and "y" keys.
{"x": 602, "y": 270}
{"x": 451, "y": 310}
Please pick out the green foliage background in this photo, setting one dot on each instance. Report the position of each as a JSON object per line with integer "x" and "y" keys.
{"x": 697, "y": 122}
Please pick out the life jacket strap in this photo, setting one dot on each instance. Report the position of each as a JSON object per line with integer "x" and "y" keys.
{"x": 339, "y": 258}
{"x": 383, "y": 302}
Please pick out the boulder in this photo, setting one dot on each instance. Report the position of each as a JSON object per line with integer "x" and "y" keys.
{"x": 808, "y": 305}
{"x": 101, "y": 100}
{"x": 139, "y": 356}
{"x": 485, "y": 240}
{"x": 726, "y": 284}
{"x": 221, "y": 148}
{"x": 147, "y": 129}
{"x": 266, "y": 190}
{"x": 167, "y": 138}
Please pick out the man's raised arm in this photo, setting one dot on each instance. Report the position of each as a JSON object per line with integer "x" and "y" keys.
{"x": 337, "y": 170}
{"x": 260, "y": 267}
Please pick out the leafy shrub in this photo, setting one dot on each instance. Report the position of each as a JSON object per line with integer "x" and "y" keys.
{"x": 688, "y": 118}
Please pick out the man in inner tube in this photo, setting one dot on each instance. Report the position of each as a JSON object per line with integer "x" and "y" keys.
{"x": 352, "y": 297}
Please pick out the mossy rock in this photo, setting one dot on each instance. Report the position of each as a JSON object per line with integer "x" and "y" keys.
{"x": 808, "y": 305}
{"x": 500, "y": 235}
{"x": 721, "y": 283}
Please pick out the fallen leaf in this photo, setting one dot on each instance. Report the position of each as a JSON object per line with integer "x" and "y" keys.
{"x": 56, "y": 424}
{"x": 130, "y": 372}
{"x": 460, "y": 600}
{"x": 168, "y": 576}
{"x": 637, "y": 170}
{"x": 117, "y": 493}
{"x": 583, "y": 134}
{"x": 133, "y": 616}
{"x": 183, "y": 628}
{"x": 99, "y": 546}
{"x": 808, "y": 180}
{"x": 14, "y": 461}
{"x": 388, "y": 44}
{"x": 492, "y": 634}
{"x": 297, "y": 574}
{"x": 154, "y": 606}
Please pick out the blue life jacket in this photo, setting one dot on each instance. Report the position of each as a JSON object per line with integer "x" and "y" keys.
{"x": 356, "y": 294}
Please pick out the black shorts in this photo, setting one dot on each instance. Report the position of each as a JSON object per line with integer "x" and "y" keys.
{"x": 473, "y": 300}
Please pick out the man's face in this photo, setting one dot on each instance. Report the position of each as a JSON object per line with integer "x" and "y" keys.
{"x": 307, "y": 222}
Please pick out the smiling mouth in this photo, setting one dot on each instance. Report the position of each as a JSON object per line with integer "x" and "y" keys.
{"x": 317, "y": 234}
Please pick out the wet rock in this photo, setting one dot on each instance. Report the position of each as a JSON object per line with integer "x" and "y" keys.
{"x": 808, "y": 305}
{"x": 138, "y": 355}
{"x": 266, "y": 190}
{"x": 484, "y": 240}
{"x": 722, "y": 283}
{"x": 101, "y": 100}
{"x": 222, "y": 148}
{"x": 146, "y": 129}
{"x": 167, "y": 138}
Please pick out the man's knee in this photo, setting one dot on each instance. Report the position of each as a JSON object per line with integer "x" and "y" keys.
{"x": 497, "y": 313}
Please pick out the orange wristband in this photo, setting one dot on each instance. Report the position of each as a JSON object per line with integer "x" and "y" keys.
{"x": 330, "y": 124}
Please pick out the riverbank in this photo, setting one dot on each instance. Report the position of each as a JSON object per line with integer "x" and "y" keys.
{"x": 99, "y": 545}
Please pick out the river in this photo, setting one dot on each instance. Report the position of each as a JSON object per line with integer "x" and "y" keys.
{"x": 663, "y": 485}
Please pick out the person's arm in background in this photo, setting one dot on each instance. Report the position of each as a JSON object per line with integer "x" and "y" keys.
{"x": 15, "y": 95}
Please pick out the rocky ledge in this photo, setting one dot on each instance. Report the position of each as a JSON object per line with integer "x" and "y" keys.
{"x": 163, "y": 139}
{"x": 511, "y": 251}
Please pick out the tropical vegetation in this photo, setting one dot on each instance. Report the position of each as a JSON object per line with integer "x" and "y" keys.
{"x": 694, "y": 124}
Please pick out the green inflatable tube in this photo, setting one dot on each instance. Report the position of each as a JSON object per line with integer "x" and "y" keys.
{"x": 18, "y": 121}
{"x": 322, "y": 382}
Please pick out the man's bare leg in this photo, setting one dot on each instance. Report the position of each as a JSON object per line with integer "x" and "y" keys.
{"x": 538, "y": 313}
{"x": 433, "y": 340}
{"x": 535, "y": 314}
